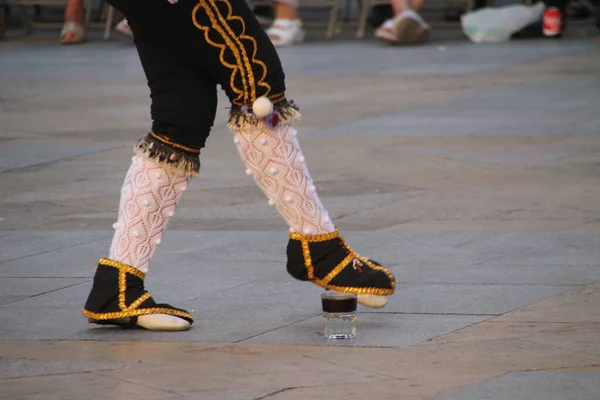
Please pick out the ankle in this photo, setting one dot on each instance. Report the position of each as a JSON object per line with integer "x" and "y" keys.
{"x": 286, "y": 11}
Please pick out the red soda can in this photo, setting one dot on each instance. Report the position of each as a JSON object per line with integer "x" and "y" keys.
{"x": 552, "y": 22}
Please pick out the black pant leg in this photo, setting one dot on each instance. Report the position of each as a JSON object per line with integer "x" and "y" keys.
{"x": 219, "y": 37}
{"x": 184, "y": 99}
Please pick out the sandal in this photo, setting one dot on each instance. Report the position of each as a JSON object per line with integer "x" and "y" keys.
{"x": 286, "y": 32}
{"x": 405, "y": 28}
{"x": 123, "y": 27}
{"x": 72, "y": 33}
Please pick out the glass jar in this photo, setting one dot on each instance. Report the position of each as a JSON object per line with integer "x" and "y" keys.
{"x": 339, "y": 312}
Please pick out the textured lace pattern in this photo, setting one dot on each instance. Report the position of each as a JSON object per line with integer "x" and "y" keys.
{"x": 148, "y": 199}
{"x": 274, "y": 159}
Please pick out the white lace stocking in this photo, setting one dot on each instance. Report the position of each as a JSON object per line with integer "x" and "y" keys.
{"x": 148, "y": 199}
{"x": 274, "y": 158}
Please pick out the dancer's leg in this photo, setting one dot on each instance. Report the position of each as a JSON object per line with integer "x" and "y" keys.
{"x": 183, "y": 110}
{"x": 248, "y": 67}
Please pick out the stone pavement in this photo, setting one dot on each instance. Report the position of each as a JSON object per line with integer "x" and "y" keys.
{"x": 473, "y": 171}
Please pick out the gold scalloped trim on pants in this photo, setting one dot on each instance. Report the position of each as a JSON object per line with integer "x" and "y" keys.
{"x": 324, "y": 283}
{"x": 244, "y": 61}
{"x": 132, "y": 310}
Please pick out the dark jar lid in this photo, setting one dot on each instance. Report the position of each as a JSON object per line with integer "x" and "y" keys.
{"x": 338, "y": 302}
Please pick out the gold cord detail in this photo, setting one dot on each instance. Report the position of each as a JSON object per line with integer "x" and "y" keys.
{"x": 324, "y": 282}
{"x": 171, "y": 143}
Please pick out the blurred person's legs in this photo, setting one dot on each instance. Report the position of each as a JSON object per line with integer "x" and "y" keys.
{"x": 186, "y": 50}
{"x": 73, "y": 31}
{"x": 286, "y": 29}
{"x": 406, "y": 27}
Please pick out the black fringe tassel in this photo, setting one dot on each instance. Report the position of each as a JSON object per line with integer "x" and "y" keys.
{"x": 243, "y": 117}
{"x": 176, "y": 160}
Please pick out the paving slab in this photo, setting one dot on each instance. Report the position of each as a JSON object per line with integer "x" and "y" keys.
{"x": 534, "y": 385}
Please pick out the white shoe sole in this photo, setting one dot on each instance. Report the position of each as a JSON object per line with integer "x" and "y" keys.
{"x": 372, "y": 300}
{"x": 162, "y": 322}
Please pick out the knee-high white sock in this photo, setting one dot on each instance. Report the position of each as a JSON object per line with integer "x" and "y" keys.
{"x": 274, "y": 159}
{"x": 148, "y": 199}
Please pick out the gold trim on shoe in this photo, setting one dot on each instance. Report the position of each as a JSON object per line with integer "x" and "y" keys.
{"x": 134, "y": 313}
{"x": 131, "y": 310}
{"x": 324, "y": 283}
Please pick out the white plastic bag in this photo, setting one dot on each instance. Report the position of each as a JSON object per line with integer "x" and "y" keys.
{"x": 498, "y": 24}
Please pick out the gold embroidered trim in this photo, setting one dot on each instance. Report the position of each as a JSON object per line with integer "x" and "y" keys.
{"x": 359, "y": 290}
{"x": 139, "y": 301}
{"x": 277, "y": 98}
{"x": 168, "y": 141}
{"x": 316, "y": 238}
{"x": 324, "y": 283}
{"x": 238, "y": 67}
{"x": 308, "y": 260}
{"x": 219, "y": 23}
{"x": 136, "y": 313}
{"x": 248, "y": 97}
{"x": 337, "y": 269}
{"x": 122, "y": 289}
{"x": 122, "y": 267}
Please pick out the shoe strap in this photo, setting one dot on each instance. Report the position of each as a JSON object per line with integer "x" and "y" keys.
{"x": 316, "y": 238}
{"x": 107, "y": 262}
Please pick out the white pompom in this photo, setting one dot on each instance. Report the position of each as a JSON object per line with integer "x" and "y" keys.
{"x": 262, "y": 107}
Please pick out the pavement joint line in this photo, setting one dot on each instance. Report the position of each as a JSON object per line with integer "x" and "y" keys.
{"x": 557, "y": 368}
{"x": 48, "y": 163}
{"x": 135, "y": 383}
{"x": 491, "y": 284}
{"x": 45, "y": 277}
{"x": 277, "y": 328}
{"x": 507, "y": 255}
{"x": 427, "y": 313}
{"x": 223, "y": 290}
{"x": 558, "y": 346}
{"x": 539, "y": 322}
{"x": 385, "y": 379}
{"x": 286, "y": 389}
{"x": 471, "y": 241}
{"x": 56, "y": 290}
{"x": 341, "y": 216}
{"x": 55, "y": 249}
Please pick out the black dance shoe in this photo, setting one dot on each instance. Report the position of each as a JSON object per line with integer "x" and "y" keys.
{"x": 118, "y": 298}
{"x": 327, "y": 261}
